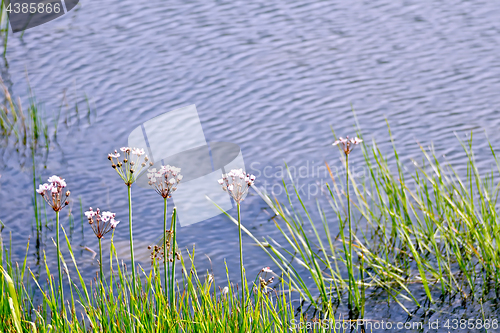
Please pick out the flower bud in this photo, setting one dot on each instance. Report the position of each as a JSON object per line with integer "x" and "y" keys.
{"x": 68, "y": 193}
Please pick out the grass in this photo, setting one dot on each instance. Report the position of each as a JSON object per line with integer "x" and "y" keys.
{"x": 430, "y": 231}
{"x": 104, "y": 307}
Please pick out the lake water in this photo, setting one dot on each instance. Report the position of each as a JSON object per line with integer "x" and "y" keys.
{"x": 271, "y": 77}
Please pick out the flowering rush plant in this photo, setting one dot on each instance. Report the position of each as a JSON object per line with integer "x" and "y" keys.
{"x": 236, "y": 183}
{"x": 165, "y": 180}
{"x": 131, "y": 164}
{"x": 52, "y": 192}
{"x": 347, "y": 144}
{"x": 101, "y": 223}
{"x": 264, "y": 281}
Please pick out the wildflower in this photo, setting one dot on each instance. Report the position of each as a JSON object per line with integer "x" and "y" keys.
{"x": 266, "y": 270}
{"x": 101, "y": 223}
{"x": 165, "y": 180}
{"x": 138, "y": 151}
{"x": 236, "y": 183}
{"x": 52, "y": 192}
{"x": 131, "y": 164}
{"x": 347, "y": 144}
{"x": 263, "y": 281}
{"x": 225, "y": 291}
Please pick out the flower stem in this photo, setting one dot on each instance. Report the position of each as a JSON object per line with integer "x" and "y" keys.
{"x": 352, "y": 293}
{"x": 174, "y": 257}
{"x": 100, "y": 263}
{"x": 165, "y": 251}
{"x": 131, "y": 238}
{"x": 102, "y": 283}
{"x": 61, "y": 290}
{"x": 241, "y": 257}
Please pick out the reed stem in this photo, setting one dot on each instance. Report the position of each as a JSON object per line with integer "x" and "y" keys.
{"x": 131, "y": 237}
{"x": 165, "y": 250}
{"x": 174, "y": 248}
{"x": 241, "y": 256}
{"x": 59, "y": 263}
{"x": 100, "y": 263}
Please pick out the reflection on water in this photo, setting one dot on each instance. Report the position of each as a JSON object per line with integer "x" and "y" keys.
{"x": 269, "y": 76}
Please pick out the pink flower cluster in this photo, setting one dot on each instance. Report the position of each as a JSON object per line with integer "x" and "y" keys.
{"x": 101, "y": 223}
{"x": 52, "y": 192}
{"x": 165, "y": 180}
{"x": 347, "y": 144}
{"x": 236, "y": 183}
{"x": 131, "y": 164}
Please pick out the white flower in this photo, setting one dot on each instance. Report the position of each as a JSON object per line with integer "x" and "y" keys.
{"x": 44, "y": 188}
{"x": 90, "y": 214}
{"x": 101, "y": 222}
{"x": 131, "y": 165}
{"x": 267, "y": 270}
{"x": 113, "y": 223}
{"x": 356, "y": 141}
{"x": 347, "y": 144}
{"x": 225, "y": 291}
{"x": 165, "y": 180}
{"x": 57, "y": 199}
{"x": 138, "y": 151}
{"x": 237, "y": 182}
{"x": 106, "y": 216}
{"x": 57, "y": 181}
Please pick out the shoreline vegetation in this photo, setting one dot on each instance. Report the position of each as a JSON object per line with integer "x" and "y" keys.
{"x": 419, "y": 237}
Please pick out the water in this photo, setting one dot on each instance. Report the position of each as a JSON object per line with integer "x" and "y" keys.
{"x": 269, "y": 76}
